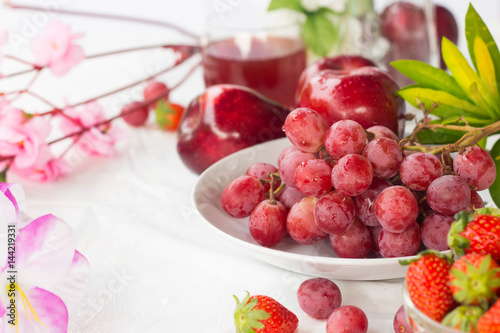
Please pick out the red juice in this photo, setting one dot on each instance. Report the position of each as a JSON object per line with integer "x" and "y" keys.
{"x": 271, "y": 66}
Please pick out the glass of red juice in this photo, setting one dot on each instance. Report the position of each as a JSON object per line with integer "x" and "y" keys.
{"x": 260, "y": 51}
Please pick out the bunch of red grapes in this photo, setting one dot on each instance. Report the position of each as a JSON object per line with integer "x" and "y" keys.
{"x": 358, "y": 188}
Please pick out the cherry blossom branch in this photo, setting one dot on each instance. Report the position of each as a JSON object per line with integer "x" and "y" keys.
{"x": 115, "y": 17}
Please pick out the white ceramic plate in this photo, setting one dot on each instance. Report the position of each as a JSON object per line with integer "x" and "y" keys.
{"x": 317, "y": 260}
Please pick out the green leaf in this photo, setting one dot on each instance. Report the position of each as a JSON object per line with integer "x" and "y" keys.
{"x": 286, "y": 4}
{"x": 429, "y": 77}
{"x": 485, "y": 66}
{"x": 3, "y": 176}
{"x": 475, "y": 28}
{"x": 438, "y": 136}
{"x": 467, "y": 78}
{"x": 448, "y": 105}
{"x": 495, "y": 188}
{"x": 319, "y": 33}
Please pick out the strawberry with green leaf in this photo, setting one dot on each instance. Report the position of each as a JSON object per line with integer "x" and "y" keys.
{"x": 490, "y": 321}
{"x": 168, "y": 115}
{"x": 477, "y": 231}
{"x": 464, "y": 318}
{"x": 260, "y": 314}
{"x": 427, "y": 283}
{"x": 475, "y": 279}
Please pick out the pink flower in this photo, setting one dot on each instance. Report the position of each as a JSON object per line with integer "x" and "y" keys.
{"x": 99, "y": 140}
{"x": 9, "y": 115}
{"x": 46, "y": 168}
{"x": 24, "y": 141}
{"x": 54, "y": 48}
{"x": 52, "y": 274}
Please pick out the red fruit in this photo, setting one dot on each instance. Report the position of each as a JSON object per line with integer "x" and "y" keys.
{"x": 171, "y": 116}
{"x": 474, "y": 279}
{"x": 427, "y": 284}
{"x": 155, "y": 89}
{"x": 262, "y": 314}
{"x": 446, "y": 26}
{"x": 400, "y": 323}
{"x": 477, "y": 231}
{"x": 490, "y": 321}
{"x": 342, "y": 63}
{"x": 267, "y": 223}
{"x": 241, "y": 196}
{"x": 366, "y": 95}
{"x": 136, "y": 117}
{"x": 224, "y": 119}
{"x": 347, "y": 319}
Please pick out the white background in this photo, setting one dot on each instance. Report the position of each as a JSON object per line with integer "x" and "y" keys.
{"x": 155, "y": 266}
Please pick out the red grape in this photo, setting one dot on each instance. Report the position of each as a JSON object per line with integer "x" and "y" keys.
{"x": 448, "y": 195}
{"x": 385, "y": 155}
{"x": 289, "y": 196}
{"x": 347, "y": 319}
{"x": 345, "y": 137}
{"x": 352, "y": 175}
{"x": 334, "y": 212}
{"x": 313, "y": 177}
{"x": 290, "y": 163}
{"x": 476, "y": 166}
{"x": 306, "y": 129}
{"x": 418, "y": 170}
{"x": 434, "y": 231}
{"x": 241, "y": 196}
{"x": 400, "y": 323}
{"x": 135, "y": 118}
{"x": 318, "y": 297}
{"x": 402, "y": 244}
{"x": 374, "y": 232}
{"x": 155, "y": 89}
{"x": 364, "y": 203}
{"x": 475, "y": 201}
{"x": 396, "y": 208}
{"x": 382, "y": 132}
{"x": 355, "y": 242}
{"x": 267, "y": 223}
{"x": 300, "y": 222}
{"x": 261, "y": 171}
{"x": 285, "y": 152}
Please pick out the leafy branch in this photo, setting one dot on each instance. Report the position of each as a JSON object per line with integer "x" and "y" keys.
{"x": 465, "y": 100}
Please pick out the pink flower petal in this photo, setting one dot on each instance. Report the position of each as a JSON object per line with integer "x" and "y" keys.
{"x": 72, "y": 58}
{"x": 72, "y": 288}
{"x": 45, "y": 250}
{"x": 50, "y": 310}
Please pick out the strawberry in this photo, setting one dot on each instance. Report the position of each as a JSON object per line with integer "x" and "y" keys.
{"x": 464, "y": 318}
{"x": 477, "y": 231}
{"x": 475, "y": 279}
{"x": 427, "y": 284}
{"x": 168, "y": 115}
{"x": 490, "y": 321}
{"x": 260, "y": 314}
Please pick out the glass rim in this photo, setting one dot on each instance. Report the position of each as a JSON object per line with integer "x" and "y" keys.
{"x": 212, "y": 23}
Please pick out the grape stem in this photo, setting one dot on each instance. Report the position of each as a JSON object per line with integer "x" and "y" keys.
{"x": 472, "y": 136}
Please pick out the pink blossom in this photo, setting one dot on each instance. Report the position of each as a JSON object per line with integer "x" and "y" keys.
{"x": 9, "y": 115}
{"x": 99, "y": 140}
{"x": 46, "y": 168}
{"x": 54, "y": 48}
{"x": 25, "y": 141}
{"x": 54, "y": 274}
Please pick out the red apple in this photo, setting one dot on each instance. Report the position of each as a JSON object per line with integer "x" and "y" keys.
{"x": 224, "y": 119}
{"x": 366, "y": 95}
{"x": 340, "y": 62}
{"x": 404, "y": 25}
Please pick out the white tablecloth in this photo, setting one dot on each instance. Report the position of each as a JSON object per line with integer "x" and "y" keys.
{"x": 155, "y": 265}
